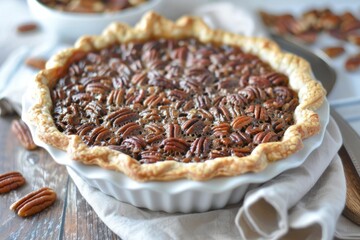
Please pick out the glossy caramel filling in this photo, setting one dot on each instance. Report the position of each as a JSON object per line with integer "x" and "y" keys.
{"x": 179, "y": 100}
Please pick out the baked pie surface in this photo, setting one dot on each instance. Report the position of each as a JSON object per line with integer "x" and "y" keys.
{"x": 167, "y": 100}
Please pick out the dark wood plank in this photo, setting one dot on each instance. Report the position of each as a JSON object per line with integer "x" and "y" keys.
{"x": 81, "y": 222}
{"x": 39, "y": 170}
{"x": 352, "y": 205}
{"x": 71, "y": 217}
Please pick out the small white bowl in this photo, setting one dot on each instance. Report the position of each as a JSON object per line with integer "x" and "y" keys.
{"x": 68, "y": 26}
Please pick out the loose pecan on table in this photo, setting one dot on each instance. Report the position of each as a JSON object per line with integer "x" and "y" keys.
{"x": 334, "y": 52}
{"x": 10, "y": 181}
{"x": 34, "y": 202}
{"x": 27, "y": 27}
{"x": 36, "y": 63}
{"x": 353, "y": 63}
{"x": 91, "y": 6}
{"x": 344, "y": 27}
{"x": 23, "y": 134}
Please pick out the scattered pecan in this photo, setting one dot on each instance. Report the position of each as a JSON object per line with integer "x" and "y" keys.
{"x": 34, "y": 202}
{"x": 10, "y": 181}
{"x": 313, "y": 22}
{"x": 265, "y": 136}
{"x": 93, "y": 6}
{"x": 240, "y": 138}
{"x": 334, "y": 52}
{"x": 129, "y": 129}
{"x": 175, "y": 145}
{"x": 150, "y": 157}
{"x": 27, "y": 27}
{"x": 37, "y": 63}
{"x": 354, "y": 38}
{"x": 136, "y": 143}
{"x": 221, "y": 130}
{"x": 353, "y": 63}
{"x": 307, "y": 37}
{"x": 218, "y": 153}
{"x": 193, "y": 126}
{"x": 241, "y": 122}
{"x": 173, "y": 131}
{"x": 201, "y": 146}
{"x": 257, "y": 111}
{"x": 22, "y": 132}
{"x": 99, "y": 134}
{"x": 179, "y": 100}
{"x": 122, "y": 116}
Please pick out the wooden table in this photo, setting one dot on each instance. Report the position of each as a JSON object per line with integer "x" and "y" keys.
{"x": 71, "y": 217}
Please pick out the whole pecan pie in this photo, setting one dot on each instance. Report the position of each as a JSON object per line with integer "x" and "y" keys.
{"x": 167, "y": 100}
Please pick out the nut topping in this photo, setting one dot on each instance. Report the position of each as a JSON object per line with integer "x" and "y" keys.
{"x": 334, "y": 52}
{"x": 93, "y": 6}
{"x": 353, "y": 62}
{"x": 27, "y": 27}
{"x": 22, "y": 132}
{"x": 37, "y": 63}
{"x": 179, "y": 100}
{"x": 34, "y": 202}
{"x": 10, "y": 181}
{"x": 307, "y": 27}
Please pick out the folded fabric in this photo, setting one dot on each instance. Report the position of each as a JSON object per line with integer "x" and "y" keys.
{"x": 318, "y": 210}
{"x": 265, "y": 211}
{"x": 345, "y": 229}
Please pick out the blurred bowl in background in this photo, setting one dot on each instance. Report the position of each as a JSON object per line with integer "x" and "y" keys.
{"x": 69, "y": 26}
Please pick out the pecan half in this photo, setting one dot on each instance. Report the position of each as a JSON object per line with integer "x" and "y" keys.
{"x": 175, "y": 145}
{"x": 37, "y": 63}
{"x": 22, "y": 132}
{"x": 27, "y": 27}
{"x": 352, "y": 63}
{"x": 334, "y": 52}
{"x": 10, "y": 181}
{"x": 34, "y": 202}
{"x": 193, "y": 126}
{"x": 241, "y": 122}
{"x": 354, "y": 38}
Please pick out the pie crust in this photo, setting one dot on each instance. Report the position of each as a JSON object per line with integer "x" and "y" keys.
{"x": 153, "y": 26}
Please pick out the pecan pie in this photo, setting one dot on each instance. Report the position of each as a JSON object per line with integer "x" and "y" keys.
{"x": 167, "y": 100}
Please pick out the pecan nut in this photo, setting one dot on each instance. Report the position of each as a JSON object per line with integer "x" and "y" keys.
{"x": 22, "y": 132}
{"x": 37, "y": 63}
{"x": 241, "y": 121}
{"x": 353, "y": 63}
{"x": 334, "y": 52}
{"x": 27, "y": 27}
{"x": 354, "y": 38}
{"x": 34, "y": 202}
{"x": 10, "y": 181}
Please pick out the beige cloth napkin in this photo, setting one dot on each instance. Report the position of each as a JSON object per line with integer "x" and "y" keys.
{"x": 310, "y": 213}
{"x": 288, "y": 203}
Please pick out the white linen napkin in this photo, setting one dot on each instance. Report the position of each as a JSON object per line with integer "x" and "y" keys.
{"x": 272, "y": 210}
{"x": 316, "y": 211}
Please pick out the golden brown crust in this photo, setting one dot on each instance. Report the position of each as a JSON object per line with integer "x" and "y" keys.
{"x": 307, "y": 123}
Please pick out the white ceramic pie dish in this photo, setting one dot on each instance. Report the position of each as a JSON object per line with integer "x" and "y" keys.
{"x": 180, "y": 195}
{"x": 70, "y": 26}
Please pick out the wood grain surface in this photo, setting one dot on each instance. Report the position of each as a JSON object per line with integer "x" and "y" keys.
{"x": 69, "y": 218}
{"x": 352, "y": 207}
